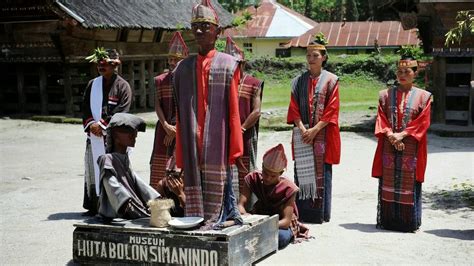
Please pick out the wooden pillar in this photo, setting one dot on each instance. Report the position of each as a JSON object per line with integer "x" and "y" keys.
{"x": 131, "y": 81}
{"x": 142, "y": 84}
{"x": 69, "y": 104}
{"x": 151, "y": 83}
{"x": 20, "y": 85}
{"x": 439, "y": 90}
{"x": 43, "y": 80}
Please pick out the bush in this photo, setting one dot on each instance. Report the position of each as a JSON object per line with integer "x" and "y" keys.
{"x": 382, "y": 67}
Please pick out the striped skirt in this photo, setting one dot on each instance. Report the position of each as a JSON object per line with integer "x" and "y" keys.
{"x": 397, "y": 216}
{"x": 399, "y": 203}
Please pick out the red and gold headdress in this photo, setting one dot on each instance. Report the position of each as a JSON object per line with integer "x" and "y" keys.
{"x": 177, "y": 46}
{"x": 319, "y": 42}
{"x": 407, "y": 63}
{"x": 205, "y": 12}
{"x": 234, "y": 50}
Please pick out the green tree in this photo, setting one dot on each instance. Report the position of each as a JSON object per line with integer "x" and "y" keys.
{"x": 465, "y": 25}
{"x": 234, "y": 6}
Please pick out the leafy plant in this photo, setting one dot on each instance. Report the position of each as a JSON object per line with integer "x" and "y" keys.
{"x": 411, "y": 51}
{"x": 99, "y": 54}
{"x": 220, "y": 45}
{"x": 320, "y": 38}
{"x": 465, "y": 24}
{"x": 179, "y": 27}
{"x": 242, "y": 20}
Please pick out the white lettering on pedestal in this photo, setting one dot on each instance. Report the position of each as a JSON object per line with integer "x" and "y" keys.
{"x": 153, "y": 252}
{"x": 135, "y": 251}
{"x": 81, "y": 249}
{"x": 103, "y": 250}
{"x": 112, "y": 251}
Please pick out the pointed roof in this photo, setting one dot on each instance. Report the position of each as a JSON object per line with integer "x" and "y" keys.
{"x": 272, "y": 20}
{"x": 359, "y": 34}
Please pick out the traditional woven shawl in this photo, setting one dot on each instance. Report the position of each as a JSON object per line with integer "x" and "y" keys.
{"x": 312, "y": 183}
{"x": 399, "y": 168}
{"x": 204, "y": 181}
{"x": 247, "y": 90}
{"x": 161, "y": 153}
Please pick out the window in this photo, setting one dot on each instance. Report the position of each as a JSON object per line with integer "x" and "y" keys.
{"x": 123, "y": 35}
{"x": 283, "y": 52}
{"x": 158, "y": 35}
{"x": 352, "y": 51}
{"x": 248, "y": 47}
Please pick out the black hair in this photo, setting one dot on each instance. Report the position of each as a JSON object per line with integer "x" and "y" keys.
{"x": 113, "y": 54}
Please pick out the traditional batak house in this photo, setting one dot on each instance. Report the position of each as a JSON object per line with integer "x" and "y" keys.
{"x": 272, "y": 25}
{"x": 44, "y": 44}
{"x": 453, "y": 65}
{"x": 357, "y": 37}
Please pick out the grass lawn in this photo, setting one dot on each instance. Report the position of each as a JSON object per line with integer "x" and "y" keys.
{"x": 357, "y": 93}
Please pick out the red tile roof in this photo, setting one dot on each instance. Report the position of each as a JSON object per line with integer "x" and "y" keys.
{"x": 359, "y": 34}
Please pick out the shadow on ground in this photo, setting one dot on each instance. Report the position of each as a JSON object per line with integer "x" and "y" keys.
{"x": 72, "y": 263}
{"x": 450, "y": 233}
{"x": 68, "y": 216}
{"x": 366, "y": 228}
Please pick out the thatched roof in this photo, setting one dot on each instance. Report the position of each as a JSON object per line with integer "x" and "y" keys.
{"x": 148, "y": 14}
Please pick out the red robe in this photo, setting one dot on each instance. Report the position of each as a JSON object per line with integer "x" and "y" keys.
{"x": 416, "y": 128}
{"x": 236, "y": 143}
{"x": 330, "y": 115}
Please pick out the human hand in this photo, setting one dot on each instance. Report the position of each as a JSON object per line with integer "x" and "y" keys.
{"x": 175, "y": 185}
{"x": 241, "y": 166}
{"x": 398, "y": 136}
{"x": 309, "y": 135}
{"x": 96, "y": 129}
{"x": 399, "y": 146}
{"x": 168, "y": 140}
{"x": 170, "y": 129}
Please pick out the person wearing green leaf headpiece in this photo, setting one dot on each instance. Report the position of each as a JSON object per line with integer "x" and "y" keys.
{"x": 104, "y": 96}
{"x": 314, "y": 112}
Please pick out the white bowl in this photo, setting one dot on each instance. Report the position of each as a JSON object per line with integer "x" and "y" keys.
{"x": 185, "y": 222}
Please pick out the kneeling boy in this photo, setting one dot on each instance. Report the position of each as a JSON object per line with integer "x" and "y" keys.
{"x": 275, "y": 193}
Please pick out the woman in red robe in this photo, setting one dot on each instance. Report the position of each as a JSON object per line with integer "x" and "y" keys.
{"x": 314, "y": 111}
{"x": 165, "y": 107}
{"x": 403, "y": 118}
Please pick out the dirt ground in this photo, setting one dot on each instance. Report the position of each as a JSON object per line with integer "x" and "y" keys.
{"x": 41, "y": 173}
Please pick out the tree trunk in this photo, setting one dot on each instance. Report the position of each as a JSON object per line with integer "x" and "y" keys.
{"x": 307, "y": 8}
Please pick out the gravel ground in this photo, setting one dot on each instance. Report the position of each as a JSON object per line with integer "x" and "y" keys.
{"x": 41, "y": 175}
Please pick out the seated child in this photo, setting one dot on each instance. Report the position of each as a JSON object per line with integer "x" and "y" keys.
{"x": 275, "y": 195}
{"x": 122, "y": 193}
